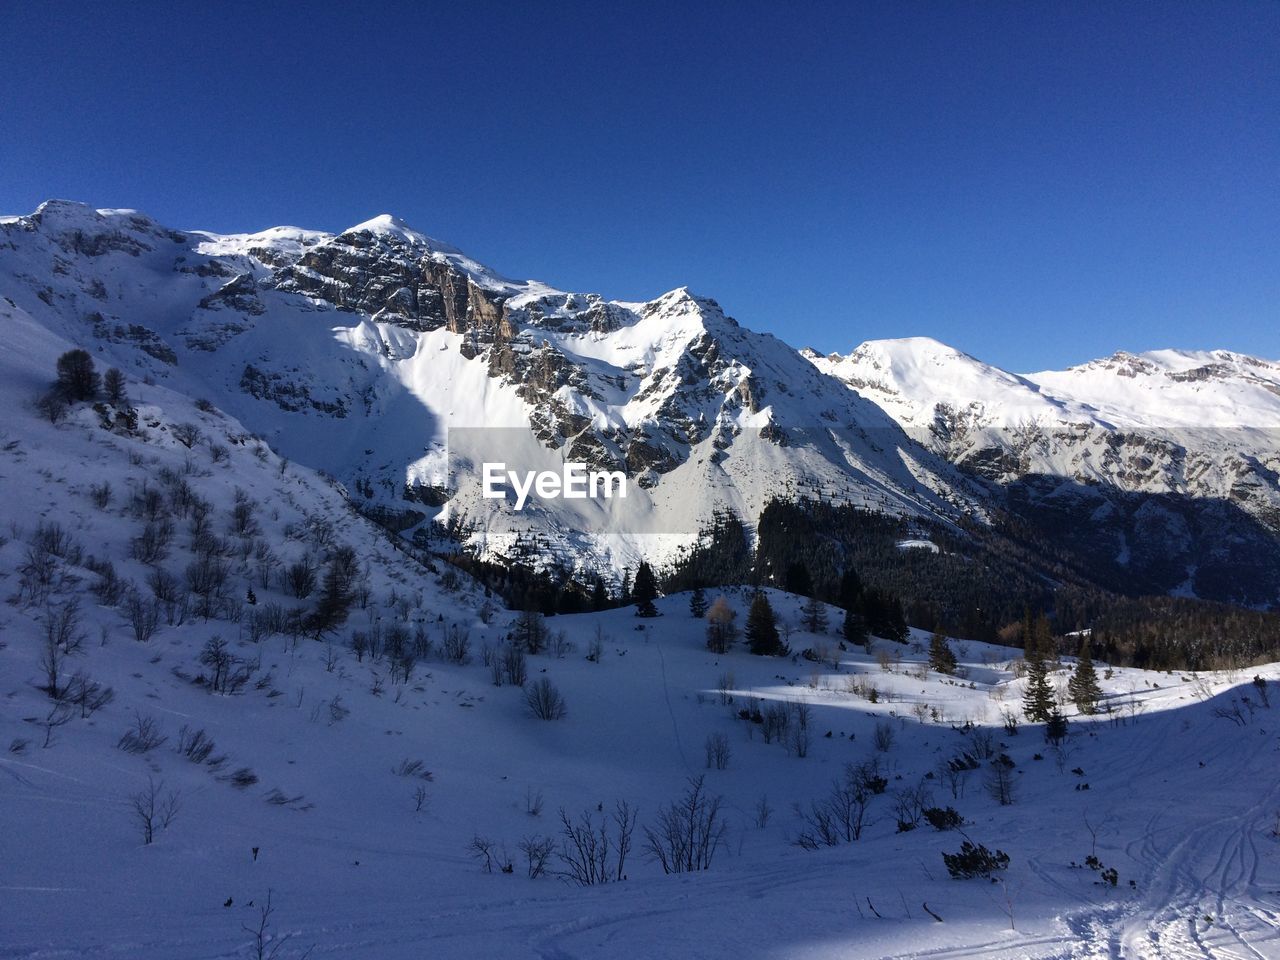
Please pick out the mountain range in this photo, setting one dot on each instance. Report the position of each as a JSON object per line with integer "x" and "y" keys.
{"x": 375, "y": 353}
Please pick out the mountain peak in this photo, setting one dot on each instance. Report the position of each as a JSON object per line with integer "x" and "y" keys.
{"x": 389, "y": 225}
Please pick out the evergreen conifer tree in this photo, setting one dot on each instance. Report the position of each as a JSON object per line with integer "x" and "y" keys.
{"x": 854, "y": 628}
{"x": 1083, "y": 685}
{"x": 1037, "y": 702}
{"x": 762, "y": 628}
{"x": 815, "y": 615}
{"x": 940, "y": 656}
{"x": 1055, "y": 730}
{"x": 113, "y": 388}
{"x": 645, "y": 590}
{"x": 698, "y": 603}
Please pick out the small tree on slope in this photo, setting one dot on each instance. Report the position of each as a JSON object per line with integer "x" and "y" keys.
{"x": 815, "y": 615}
{"x": 1083, "y": 686}
{"x": 762, "y": 628}
{"x": 940, "y": 656}
{"x": 1037, "y": 702}
{"x": 77, "y": 379}
{"x": 644, "y": 591}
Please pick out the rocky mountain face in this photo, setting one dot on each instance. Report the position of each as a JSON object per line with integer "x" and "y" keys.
{"x": 368, "y": 353}
{"x": 378, "y": 354}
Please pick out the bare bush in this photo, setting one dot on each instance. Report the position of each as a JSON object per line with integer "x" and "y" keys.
{"x": 537, "y": 852}
{"x": 841, "y": 816}
{"x": 594, "y": 853}
{"x": 195, "y": 745}
{"x": 717, "y": 750}
{"x": 544, "y": 701}
{"x": 187, "y": 434}
{"x": 152, "y": 545}
{"x": 514, "y": 665}
{"x": 242, "y": 779}
{"x": 154, "y": 808}
{"x": 883, "y": 737}
{"x": 143, "y": 616}
{"x": 687, "y": 832}
{"x": 412, "y": 768}
{"x": 88, "y": 694}
{"x": 143, "y": 737}
{"x": 799, "y": 735}
{"x": 455, "y": 646}
{"x": 300, "y": 578}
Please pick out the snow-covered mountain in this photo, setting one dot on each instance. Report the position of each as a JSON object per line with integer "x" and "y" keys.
{"x": 1203, "y": 423}
{"x": 396, "y": 363}
{"x": 357, "y": 353}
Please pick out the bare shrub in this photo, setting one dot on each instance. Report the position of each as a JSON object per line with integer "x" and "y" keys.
{"x": 143, "y": 616}
{"x": 514, "y": 665}
{"x": 154, "y": 808}
{"x": 143, "y": 737}
{"x": 242, "y": 779}
{"x": 544, "y": 701}
{"x": 840, "y": 816}
{"x": 152, "y": 545}
{"x": 687, "y": 832}
{"x": 537, "y": 852}
{"x": 490, "y": 854}
{"x": 88, "y": 694}
{"x": 195, "y": 745}
{"x": 717, "y": 750}
{"x": 799, "y": 736}
{"x": 883, "y": 737}
{"x": 187, "y": 434}
{"x": 412, "y": 768}
{"x": 594, "y": 853}
{"x": 300, "y": 578}
{"x": 455, "y": 646}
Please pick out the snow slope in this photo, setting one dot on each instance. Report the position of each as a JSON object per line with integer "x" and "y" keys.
{"x": 1182, "y": 801}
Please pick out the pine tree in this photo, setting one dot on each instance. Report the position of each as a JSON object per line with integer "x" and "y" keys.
{"x": 1037, "y": 702}
{"x": 599, "y": 595}
{"x": 940, "y": 656}
{"x": 113, "y": 388}
{"x": 698, "y": 603}
{"x": 644, "y": 591}
{"x": 854, "y": 628}
{"x": 1055, "y": 730}
{"x": 1083, "y": 685}
{"x": 815, "y": 615}
{"x": 335, "y": 598}
{"x": 762, "y": 628}
{"x": 77, "y": 379}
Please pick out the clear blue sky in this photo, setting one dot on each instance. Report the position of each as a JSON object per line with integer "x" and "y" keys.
{"x": 1034, "y": 183}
